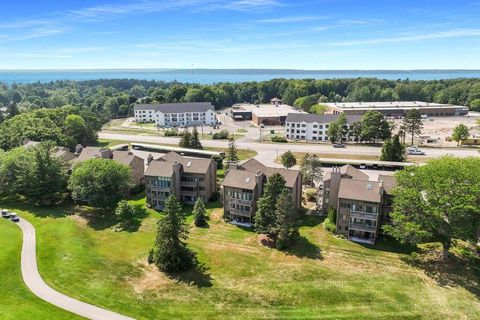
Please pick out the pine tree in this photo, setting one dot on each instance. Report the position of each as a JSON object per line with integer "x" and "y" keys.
{"x": 195, "y": 140}
{"x": 288, "y": 159}
{"x": 186, "y": 138}
{"x": 199, "y": 213}
{"x": 284, "y": 230}
{"x": 171, "y": 253}
{"x": 413, "y": 122}
{"x": 264, "y": 219}
{"x": 232, "y": 153}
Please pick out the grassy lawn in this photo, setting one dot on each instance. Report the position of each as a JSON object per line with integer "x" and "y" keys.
{"x": 17, "y": 301}
{"x": 322, "y": 276}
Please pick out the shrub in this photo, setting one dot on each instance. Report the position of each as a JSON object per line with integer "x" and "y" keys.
{"x": 221, "y": 135}
{"x": 311, "y": 194}
{"x": 279, "y": 139}
{"x": 214, "y": 197}
{"x": 330, "y": 226}
{"x": 332, "y": 215}
{"x": 171, "y": 133}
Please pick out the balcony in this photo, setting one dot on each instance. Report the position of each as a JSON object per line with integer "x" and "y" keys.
{"x": 240, "y": 201}
{"x": 159, "y": 188}
{"x": 240, "y": 212}
{"x": 364, "y": 215}
{"x": 188, "y": 183}
{"x": 363, "y": 227}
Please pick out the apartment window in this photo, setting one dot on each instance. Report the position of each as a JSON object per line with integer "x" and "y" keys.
{"x": 314, "y": 132}
{"x": 303, "y": 125}
{"x": 315, "y": 126}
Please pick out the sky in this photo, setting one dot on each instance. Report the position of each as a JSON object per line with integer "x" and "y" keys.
{"x": 264, "y": 34}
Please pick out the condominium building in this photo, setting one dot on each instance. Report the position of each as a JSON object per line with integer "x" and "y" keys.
{"x": 127, "y": 158}
{"x": 176, "y": 114}
{"x": 313, "y": 127}
{"x": 185, "y": 177}
{"x": 243, "y": 186}
{"x": 362, "y": 205}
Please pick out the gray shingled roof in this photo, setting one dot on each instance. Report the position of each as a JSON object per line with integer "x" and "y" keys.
{"x": 359, "y": 190}
{"x": 319, "y": 118}
{"x": 240, "y": 179}
{"x": 159, "y": 168}
{"x": 177, "y": 107}
{"x": 253, "y": 165}
{"x": 190, "y": 164}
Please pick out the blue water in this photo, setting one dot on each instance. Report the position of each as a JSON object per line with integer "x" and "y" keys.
{"x": 206, "y": 76}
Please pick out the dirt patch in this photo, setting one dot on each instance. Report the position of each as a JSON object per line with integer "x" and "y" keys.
{"x": 266, "y": 241}
{"x": 151, "y": 278}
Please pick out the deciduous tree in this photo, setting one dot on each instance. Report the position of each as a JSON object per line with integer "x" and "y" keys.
{"x": 460, "y": 132}
{"x": 288, "y": 159}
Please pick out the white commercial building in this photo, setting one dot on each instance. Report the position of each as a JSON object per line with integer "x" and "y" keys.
{"x": 312, "y": 127}
{"x": 176, "y": 114}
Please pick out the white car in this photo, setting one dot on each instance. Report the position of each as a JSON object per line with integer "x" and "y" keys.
{"x": 5, "y": 213}
{"x": 415, "y": 152}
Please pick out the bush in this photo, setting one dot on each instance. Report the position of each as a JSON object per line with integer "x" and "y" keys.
{"x": 221, "y": 135}
{"x": 214, "y": 197}
{"x": 150, "y": 256}
{"x": 330, "y": 226}
{"x": 171, "y": 133}
{"x": 279, "y": 139}
{"x": 311, "y": 194}
{"x": 332, "y": 215}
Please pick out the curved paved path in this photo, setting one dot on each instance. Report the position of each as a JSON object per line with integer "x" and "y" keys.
{"x": 35, "y": 283}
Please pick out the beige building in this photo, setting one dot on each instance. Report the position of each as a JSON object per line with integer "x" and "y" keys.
{"x": 362, "y": 205}
{"x": 185, "y": 177}
{"x": 127, "y": 158}
{"x": 243, "y": 186}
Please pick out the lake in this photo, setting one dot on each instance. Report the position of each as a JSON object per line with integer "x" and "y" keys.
{"x": 208, "y": 76}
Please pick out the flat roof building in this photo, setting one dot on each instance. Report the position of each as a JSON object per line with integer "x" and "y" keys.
{"x": 396, "y": 108}
{"x": 266, "y": 114}
{"x": 176, "y": 114}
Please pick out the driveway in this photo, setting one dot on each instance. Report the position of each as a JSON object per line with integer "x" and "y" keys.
{"x": 35, "y": 283}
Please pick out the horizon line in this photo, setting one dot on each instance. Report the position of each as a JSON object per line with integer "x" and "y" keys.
{"x": 235, "y": 69}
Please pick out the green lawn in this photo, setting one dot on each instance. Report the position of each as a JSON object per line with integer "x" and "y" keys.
{"x": 320, "y": 277}
{"x": 17, "y": 302}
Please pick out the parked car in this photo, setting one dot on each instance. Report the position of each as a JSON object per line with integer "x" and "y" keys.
{"x": 339, "y": 145}
{"x": 14, "y": 217}
{"x": 5, "y": 213}
{"x": 415, "y": 152}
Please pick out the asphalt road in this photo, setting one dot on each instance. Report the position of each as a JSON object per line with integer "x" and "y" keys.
{"x": 267, "y": 152}
{"x": 35, "y": 283}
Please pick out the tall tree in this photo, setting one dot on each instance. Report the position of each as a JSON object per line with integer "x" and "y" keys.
{"x": 439, "y": 201}
{"x": 413, "y": 123}
{"x": 264, "y": 219}
{"x": 200, "y": 213}
{"x": 375, "y": 127}
{"x": 48, "y": 179}
{"x": 12, "y": 110}
{"x": 288, "y": 159}
{"x": 195, "y": 140}
{"x": 232, "y": 153}
{"x": 100, "y": 182}
{"x": 284, "y": 229}
{"x": 460, "y": 132}
{"x": 185, "y": 141}
{"x": 393, "y": 150}
{"x": 170, "y": 253}
{"x": 356, "y": 130}
{"x": 311, "y": 169}
{"x": 338, "y": 129}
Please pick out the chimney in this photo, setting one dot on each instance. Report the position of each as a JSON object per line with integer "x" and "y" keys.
{"x": 381, "y": 188}
{"x": 149, "y": 158}
{"x": 259, "y": 182}
{"x": 78, "y": 149}
{"x": 106, "y": 154}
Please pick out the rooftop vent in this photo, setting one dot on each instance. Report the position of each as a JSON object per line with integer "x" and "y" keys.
{"x": 189, "y": 164}
{"x": 247, "y": 180}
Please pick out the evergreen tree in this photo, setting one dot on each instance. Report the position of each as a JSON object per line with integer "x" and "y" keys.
{"x": 284, "y": 229}
{"x": 413, "y": 122}
{"x": 264, "y": 219}
{"x": 199, "y": 213}
{"x": 232, "y": 153}
{"x": 195, "y": 140}
{"x": 12, "y": 110}
{"x": 185, "y": 141}
{"x": 288, "y": 159}
{"x": 48, "y": 180}
{"x": 393, "y": 150}
{"x": 170, "y": 253}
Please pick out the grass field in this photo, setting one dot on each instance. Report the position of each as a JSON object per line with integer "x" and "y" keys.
{"x": 320, "y": 277}
{"x": 17, "y": 302}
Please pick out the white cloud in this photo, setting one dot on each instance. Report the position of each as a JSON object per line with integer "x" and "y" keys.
{"x": 456, "y": 33}
{"x": 289, "y": 19}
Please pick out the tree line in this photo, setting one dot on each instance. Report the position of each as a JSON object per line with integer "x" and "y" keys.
{"x": 114, "y": 98}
